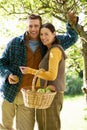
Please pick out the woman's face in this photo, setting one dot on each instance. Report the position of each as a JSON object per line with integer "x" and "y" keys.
{"x": 47, "y": 37}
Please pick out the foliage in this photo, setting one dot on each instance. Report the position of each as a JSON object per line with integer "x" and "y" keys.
{"x": 47, "y": 9}
{"x": 74, "y": 62}
{"x": 74, "y": 70}
{"x": 53, "y": 8}
{"x": 73, "y": 84}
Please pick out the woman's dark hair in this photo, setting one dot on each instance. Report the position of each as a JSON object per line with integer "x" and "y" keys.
{"x": 35, "y": 16}
{"x": 56, "y": 41}
{"x": 49, "y": 26}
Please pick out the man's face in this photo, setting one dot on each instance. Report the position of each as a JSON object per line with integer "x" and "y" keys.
{"x": 34, "y": 29}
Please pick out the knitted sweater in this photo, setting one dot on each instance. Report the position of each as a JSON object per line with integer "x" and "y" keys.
{"x": 59, "y": 81}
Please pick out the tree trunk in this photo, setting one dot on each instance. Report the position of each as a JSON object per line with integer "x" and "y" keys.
{"x": 84, "y": 50}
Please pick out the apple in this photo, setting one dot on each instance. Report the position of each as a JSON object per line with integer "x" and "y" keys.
{"x": 41, "y": 90}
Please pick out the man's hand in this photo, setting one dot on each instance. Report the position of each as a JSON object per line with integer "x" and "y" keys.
{"x": 72, "y": 17}
{"x": 13, "y": 79}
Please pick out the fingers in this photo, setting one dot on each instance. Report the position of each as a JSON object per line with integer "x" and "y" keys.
{"x": 52, "y": 87}
{"x": 23, "y": 69}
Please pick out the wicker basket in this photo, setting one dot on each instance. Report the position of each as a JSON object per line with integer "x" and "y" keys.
{"x": 34, "y": 99}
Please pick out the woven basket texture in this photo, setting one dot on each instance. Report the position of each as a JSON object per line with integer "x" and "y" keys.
{"x": 38, "y": 100}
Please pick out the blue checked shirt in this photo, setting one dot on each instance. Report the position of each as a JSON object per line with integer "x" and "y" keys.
{"x": 15, "y": 55}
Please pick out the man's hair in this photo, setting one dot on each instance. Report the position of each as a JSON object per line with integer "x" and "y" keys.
{"x": 35, "y": 16}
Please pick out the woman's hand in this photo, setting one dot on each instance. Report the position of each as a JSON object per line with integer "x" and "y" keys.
{"x": 24, "y": 70}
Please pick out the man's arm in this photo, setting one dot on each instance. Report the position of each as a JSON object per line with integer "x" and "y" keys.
{"x": 70, "y": 37}
{"x": 4, "y": 62}
{"x": 5, "y": 70}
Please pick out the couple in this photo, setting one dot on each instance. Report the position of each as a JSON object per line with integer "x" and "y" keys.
{"x": 28, "y": 50}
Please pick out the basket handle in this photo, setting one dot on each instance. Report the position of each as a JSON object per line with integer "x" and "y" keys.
{"x": 34, "y": 79}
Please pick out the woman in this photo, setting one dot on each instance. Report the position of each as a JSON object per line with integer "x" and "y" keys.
{"x": 53, "y": 64}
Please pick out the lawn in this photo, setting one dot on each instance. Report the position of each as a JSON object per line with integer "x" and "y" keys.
{"x": 73, "y": 113}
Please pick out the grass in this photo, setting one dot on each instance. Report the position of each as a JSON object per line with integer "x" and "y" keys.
{"x": 73, "y": 113}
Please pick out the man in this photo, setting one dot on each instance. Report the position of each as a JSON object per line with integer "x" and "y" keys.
{"x": 25, "y": 50}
